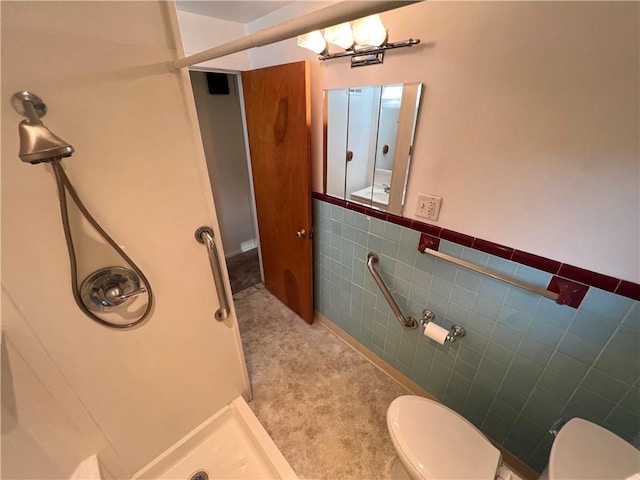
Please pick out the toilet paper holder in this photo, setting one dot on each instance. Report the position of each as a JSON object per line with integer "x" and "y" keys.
{"x": 454, "y": 332}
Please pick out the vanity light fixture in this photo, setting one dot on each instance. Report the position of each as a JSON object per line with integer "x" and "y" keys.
{"x": 365, "y": 41}
{"x": 340, "y": 35}
{"x": 313, "y": 41}
{"x": 370, "y": 31}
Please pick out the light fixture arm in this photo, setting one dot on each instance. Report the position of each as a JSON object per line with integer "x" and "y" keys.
{"x": 368, "y": 55}
{"x": 367, "y": 50}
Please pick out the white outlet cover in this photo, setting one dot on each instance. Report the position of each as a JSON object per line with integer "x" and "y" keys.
{"x": 428, "y": 206}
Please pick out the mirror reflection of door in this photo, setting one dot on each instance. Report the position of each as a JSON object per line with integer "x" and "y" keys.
{"x": 389, "y": 113}
{"x": 362, "y": 136}
{"x": 390, "y": 100}
{"x": 406, "y": 132}
{"x": 369, "y": 134}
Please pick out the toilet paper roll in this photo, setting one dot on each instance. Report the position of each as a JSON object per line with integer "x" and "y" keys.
{"x": 436, "y": 333}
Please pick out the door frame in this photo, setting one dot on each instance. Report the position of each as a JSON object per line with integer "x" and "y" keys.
{"x": 253, "y": 204}
{"x": 254, "y": 211}
{"x": 252, "y": 197}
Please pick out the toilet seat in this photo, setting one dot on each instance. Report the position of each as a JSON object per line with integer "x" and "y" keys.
{"x": 434, "y": 442}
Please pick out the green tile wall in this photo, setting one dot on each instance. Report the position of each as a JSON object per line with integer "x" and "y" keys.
{"x": 525, "y": 360}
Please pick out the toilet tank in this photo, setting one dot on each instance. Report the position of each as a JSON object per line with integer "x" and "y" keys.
{"x": 584, "y": 450}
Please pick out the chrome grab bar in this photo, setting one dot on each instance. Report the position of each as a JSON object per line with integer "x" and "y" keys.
{"x": 408, "y": 321}
{"x": 205, "y": 235}
{"x": 498, "y": 276}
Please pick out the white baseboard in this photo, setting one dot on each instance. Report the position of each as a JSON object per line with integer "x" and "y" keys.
{"x": 244, "y": 247}
{"x": 248, "y": 245}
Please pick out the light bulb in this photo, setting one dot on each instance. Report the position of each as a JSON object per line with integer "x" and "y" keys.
{"x": 369, "y": 31}
{"x": 339, "y": 35}
{"x": 314, "y": 41}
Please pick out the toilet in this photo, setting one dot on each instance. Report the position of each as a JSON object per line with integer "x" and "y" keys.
{"x": 585, "y": 450}
{"x": 434, "y": 442}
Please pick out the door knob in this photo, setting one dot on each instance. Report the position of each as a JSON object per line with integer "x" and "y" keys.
{"x": 301, "y": 233}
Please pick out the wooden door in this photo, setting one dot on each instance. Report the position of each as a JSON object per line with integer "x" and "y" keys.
{"x": 277, "y": 108}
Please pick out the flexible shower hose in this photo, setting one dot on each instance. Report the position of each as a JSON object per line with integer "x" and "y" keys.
{"x": 62, "y": 181}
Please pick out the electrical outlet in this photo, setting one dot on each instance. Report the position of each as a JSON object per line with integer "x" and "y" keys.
{"x": 428, "y": 206}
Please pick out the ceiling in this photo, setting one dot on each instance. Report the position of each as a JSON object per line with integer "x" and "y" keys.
{"x": 240, "y": 11}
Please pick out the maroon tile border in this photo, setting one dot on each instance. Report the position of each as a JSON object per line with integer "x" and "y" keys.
{"x": 426, "y": 228}
{"x": 590, "y": 278}
{"x": 459, "y": 238}
{"x": 571, "y": 274}
{"x": 628, "y": 289}
{"x": 402, "y": 221}
{"x": 357, "y": 208}
{"x": 492, "y": 248}
{"x": 531, "y": 260}
{"x": 376, "y": 214}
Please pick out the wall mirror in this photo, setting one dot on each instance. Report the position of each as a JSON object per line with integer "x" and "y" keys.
{"x": 369, "y": 134}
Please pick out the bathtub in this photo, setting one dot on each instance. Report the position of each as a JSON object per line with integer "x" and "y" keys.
{"x": 231, "y": 444}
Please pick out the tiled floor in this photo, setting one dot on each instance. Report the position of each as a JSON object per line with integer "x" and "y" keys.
{"x": 321, "y": 402}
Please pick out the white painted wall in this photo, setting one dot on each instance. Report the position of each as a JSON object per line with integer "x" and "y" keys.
{"x": 221, "y": 127}
{"x": 102, "y": 69}
{"x": 200, "y": 32}
{"x": 529, "y": 128}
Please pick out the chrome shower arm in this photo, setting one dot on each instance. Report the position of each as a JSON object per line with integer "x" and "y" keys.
{"x": 31, "y": 113}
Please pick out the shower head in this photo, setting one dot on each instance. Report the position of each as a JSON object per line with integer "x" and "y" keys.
{"x": 37, "y": 143}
